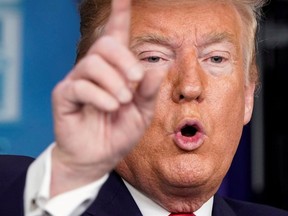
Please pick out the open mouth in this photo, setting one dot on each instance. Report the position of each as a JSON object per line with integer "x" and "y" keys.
{"x": 188, "y": 130}
{"x": 189, "y": 136}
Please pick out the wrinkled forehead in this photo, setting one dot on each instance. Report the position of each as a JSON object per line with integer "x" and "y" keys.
{"x": 186, "y": 8}
{"x": 186, "y": 18}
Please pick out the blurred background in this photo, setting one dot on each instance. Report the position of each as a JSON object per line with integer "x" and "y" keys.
{"x": 37, "y": 48}
{"x": 38, "y": 42}
{"x": 259, "y": 171}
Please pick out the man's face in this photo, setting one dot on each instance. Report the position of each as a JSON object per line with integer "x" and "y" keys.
{"x": 203, "y": 102}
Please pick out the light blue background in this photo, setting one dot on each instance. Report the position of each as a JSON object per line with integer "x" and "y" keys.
{"x": 50, "y": 32}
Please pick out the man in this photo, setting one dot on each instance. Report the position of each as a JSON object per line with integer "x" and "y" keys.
{"x": 160, "y": 94}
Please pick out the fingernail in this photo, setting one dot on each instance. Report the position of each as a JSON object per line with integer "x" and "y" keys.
{"x": 135, "y": 73}
{"x": 124, "y": 96}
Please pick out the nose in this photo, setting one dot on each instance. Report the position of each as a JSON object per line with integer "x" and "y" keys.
{"x": 188, "y": 83}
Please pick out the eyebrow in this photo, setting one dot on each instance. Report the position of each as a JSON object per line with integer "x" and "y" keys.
{"x": 206, "y": 40}
{"x": 214, "y": 38}
{"x": 153, "y": 39}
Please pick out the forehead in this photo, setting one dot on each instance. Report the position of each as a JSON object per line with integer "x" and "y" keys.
{"x": 186, "y": 19}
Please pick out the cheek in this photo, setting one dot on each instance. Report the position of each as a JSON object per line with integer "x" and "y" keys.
{"x": 164, "y": 100}
{"x": 228, "y": 102}
{"x": 225, "y": 116}
{"x": 155, "y": 134}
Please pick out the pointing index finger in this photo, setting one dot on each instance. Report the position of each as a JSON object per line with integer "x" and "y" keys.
{"x": 118, "y": 24}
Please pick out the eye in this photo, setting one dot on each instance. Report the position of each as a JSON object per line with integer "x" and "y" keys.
{"x": 217, "y": 59}
{"x": 153, "y": 59}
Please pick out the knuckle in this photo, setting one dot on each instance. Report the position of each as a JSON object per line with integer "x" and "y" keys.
{"x": 87, "y": 67}
{"x": 59, "y": 90}
{"x": 78, "y": 87}
{"x": 104, "y": 42}
{"x": 90, "y": 62}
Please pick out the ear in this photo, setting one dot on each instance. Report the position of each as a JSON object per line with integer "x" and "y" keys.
{"x": 250, "y": 91}
{"x": 249, "y": 102}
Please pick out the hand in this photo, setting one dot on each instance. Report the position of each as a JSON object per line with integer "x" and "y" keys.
{"x": 98, "y": 117}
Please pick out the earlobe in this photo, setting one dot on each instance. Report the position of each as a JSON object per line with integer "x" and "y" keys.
{"x": 249, "y": 101}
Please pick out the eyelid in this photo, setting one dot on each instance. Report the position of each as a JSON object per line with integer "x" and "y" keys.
{"x": 223, "y": 46}
{"x": 217, "y": 68}
{"x": 215, "y": 52}
{"x": 224, "y": 54}
{"x": 151, "y": 47}
{"x": 161, "y": 60}
{"x": 146, "y": 54}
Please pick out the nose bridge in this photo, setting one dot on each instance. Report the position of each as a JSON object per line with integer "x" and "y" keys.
{"x": 189, "y": 79}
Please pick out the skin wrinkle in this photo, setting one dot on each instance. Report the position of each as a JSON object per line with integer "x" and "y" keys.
{"x": 166, "y": 42}
{"x": 248, "y": 57}
{"x": 213, "y": 38}
{"x": 222, "y": 39}
{"x": 154, "y": 39}
{"x": 247, "y": 9}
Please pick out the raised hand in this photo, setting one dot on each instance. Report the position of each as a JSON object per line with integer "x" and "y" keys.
{"x": 98, "y": 117}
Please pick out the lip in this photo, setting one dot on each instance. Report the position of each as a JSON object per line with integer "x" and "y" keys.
{"x": 189, "y": 135}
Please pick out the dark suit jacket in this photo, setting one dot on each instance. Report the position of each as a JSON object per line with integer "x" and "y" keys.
{"x": 13, "y": 170}
{"x": 114, "y": 198}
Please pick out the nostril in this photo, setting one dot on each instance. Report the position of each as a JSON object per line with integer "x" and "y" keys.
{"x": 181, "y": 97}
{"x": 188, "y": 131}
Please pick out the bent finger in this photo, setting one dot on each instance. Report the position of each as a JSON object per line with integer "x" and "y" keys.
{"x": 77, "y": 93}
{"x": 119, "y": 57}
{"x": 98, "y": 71}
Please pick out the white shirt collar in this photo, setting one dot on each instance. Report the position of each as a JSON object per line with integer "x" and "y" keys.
{"x": 149, "y": 207}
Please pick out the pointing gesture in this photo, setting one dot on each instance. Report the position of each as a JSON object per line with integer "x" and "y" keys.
{"x": 98, "y": 119}
{"x": 118, "y": 25}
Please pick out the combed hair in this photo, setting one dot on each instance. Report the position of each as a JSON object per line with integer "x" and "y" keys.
{"x": 93, "y": 16}
{"x": 251, "y": 14}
